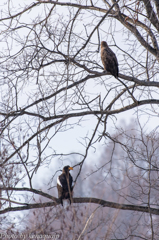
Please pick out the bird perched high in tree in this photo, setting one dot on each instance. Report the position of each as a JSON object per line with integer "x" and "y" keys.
{"x": 109, "y": 60}
{"x": 64, "y": 184}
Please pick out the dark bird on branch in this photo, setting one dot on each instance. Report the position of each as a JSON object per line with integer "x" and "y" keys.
{"x": 64, "y": 185}
{"x": 109, "y": 60}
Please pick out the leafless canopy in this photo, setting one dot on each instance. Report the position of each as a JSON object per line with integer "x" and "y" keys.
{"x": 58, "y": 107}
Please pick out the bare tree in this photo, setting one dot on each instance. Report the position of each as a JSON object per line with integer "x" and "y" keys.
{"x": 57, "y": 104}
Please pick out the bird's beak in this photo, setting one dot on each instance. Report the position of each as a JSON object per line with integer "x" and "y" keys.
{"x": 70, "y": 168}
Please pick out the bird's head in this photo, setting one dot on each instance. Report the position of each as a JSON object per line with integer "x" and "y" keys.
{"x": 66, "y": 169}
{"x": 104, "y": 44}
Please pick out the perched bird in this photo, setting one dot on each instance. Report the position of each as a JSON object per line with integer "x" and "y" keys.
{"x": 64, "y": 185}
{"x": 109, "y": 59}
